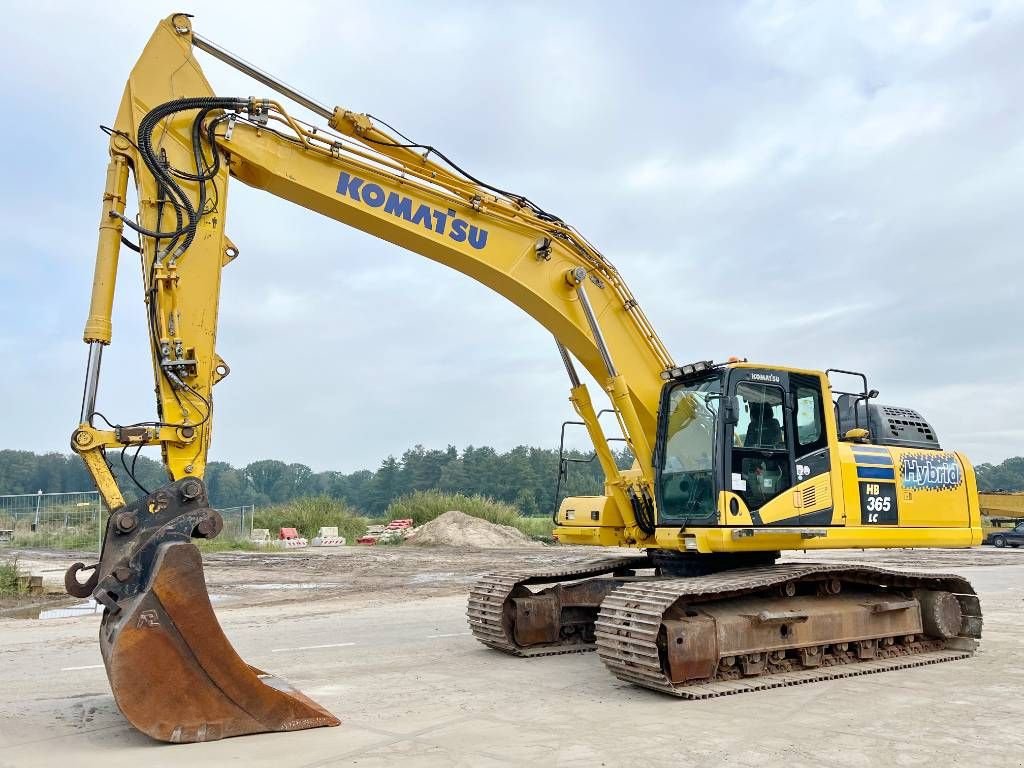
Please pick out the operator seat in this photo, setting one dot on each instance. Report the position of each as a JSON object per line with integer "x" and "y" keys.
{"x": 764, "y": 430}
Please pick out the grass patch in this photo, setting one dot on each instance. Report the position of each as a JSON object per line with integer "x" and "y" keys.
{"x": 63, "y": 527}
{"x": 225, "y": 544}
{"x": 539, "y": 528}
{"x": 61, "y": 538}
{"x": 9, "y": 584}
{"x": 309, "y": 515}
{"x": 424, "y": 506}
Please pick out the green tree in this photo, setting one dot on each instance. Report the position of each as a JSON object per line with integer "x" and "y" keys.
{"x": 523, "y": 476}
{"x": 1008, "y": 476}
{"x": 386, "y": 485}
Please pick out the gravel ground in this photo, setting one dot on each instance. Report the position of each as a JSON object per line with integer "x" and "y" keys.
{"x": 378, "y": 636}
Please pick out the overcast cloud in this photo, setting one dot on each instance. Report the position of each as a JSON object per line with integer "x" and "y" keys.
{"x": 832, "y": 184}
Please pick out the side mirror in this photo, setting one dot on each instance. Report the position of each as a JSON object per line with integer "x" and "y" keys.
{"x": 857, "y": 435}
{"x": 730, "y": 410}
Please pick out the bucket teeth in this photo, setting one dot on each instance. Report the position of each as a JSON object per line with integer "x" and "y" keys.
{"x": 173, "y": 672}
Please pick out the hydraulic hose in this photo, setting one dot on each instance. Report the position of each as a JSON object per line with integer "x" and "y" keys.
{"x": 183, "y": 206}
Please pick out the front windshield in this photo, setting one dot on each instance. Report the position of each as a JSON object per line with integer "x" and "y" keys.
{"x": 686, "y": 478}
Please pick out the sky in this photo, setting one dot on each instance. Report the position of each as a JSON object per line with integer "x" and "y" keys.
{"x": 810, "y": 184}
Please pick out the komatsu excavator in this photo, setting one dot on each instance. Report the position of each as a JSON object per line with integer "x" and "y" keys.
{"x": 734, "y": 463}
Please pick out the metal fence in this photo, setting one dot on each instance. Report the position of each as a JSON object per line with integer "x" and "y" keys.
{"x": 52, "y": 520}
{"x": 238, "y": 521}
{"x": 77, "y": 520}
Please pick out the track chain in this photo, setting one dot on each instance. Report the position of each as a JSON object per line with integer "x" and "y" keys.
{"x": 630, "y": 619}
{"x": 486, "y": 607}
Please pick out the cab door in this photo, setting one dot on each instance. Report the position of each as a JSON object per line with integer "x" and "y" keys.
{"x": 760, "y": 457}
{"x": 778, "y": 460}
{"x": 812, "y": 491}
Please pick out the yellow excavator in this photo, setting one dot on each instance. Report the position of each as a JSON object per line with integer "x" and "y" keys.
{"x": 734, "y": 462}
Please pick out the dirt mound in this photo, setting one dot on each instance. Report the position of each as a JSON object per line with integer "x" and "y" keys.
{"x": 456, "y": 529}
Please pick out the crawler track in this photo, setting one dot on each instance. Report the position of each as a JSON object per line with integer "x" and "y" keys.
{"x": 630, "y": 620}
{"x": 486, "y": 608}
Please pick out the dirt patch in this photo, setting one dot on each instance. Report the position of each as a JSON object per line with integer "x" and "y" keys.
{"x": 363, "y": 575}
{"x": 456, "y": 529}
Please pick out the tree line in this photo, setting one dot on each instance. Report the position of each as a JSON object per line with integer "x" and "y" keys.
{"x": 1007, "y": 476}
{"x": 523, "y": 476}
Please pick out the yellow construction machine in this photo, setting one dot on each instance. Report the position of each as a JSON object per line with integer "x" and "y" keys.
{"x": 734, "y": 462}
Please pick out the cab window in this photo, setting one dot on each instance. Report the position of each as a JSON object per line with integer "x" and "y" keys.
{"x": 686, "y": 472}
{"x": 810, "y": 414}
{"x": 808, "y": 411}
{"x": 760, "y": 454}
{"x": 761, "y": 417}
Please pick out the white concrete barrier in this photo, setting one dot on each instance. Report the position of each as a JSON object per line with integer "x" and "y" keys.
{"x": 328, "y": 536}
{"x": 260, "y": 537}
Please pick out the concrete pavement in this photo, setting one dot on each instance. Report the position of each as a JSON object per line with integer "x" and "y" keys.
{"x": 413, "y": 688}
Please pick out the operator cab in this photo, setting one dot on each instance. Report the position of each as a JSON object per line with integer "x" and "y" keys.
{"x": 764, "y": 428}
{"x": 755, "y": 433}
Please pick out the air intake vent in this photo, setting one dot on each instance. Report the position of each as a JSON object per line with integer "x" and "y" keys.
{"x": 810, "y": 496}
{"x": 900, "y": 426}
{"x": 904, "y": 422}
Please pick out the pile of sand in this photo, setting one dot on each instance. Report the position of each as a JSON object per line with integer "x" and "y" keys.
{"x": 457, "y": 529}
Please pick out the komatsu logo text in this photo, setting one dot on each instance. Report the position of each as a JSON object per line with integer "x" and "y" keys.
{"x": 400, "y": 206}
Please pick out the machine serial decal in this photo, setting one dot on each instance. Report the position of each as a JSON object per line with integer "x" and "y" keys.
{"x": 400, "y": 206}
{"x": 928, "y": 471}
{"x": 878, "y": 505}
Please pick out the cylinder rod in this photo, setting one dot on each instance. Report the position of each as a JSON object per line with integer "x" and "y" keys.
{"x": 602, "y": 347}
{"x": 92, "y": 381}
{"x": 567, "y": 361}
{"x": 258, "y": 74}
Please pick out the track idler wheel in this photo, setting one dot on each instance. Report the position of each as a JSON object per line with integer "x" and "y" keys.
{"x": 173, "y": 673}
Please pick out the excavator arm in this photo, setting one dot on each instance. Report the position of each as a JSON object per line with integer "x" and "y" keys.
{"x": 182, "y": 144}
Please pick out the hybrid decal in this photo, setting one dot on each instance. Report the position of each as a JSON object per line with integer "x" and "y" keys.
{"x": 402, "y": 207}
{"x": 931, "y": 471}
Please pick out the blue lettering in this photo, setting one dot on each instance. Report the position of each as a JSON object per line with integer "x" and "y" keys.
{"x": 458, "y": 233}
{"x": 477, "y": 237}
{"x": 397, "y": 205}
{"x": 373, "y": 195}
{"x": 422, "y": 216}
{"x": 349, "y": 185}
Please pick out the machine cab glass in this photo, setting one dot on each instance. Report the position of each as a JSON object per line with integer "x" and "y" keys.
{"x": 761, "y": 457}
{"x": 686, "y": 461}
